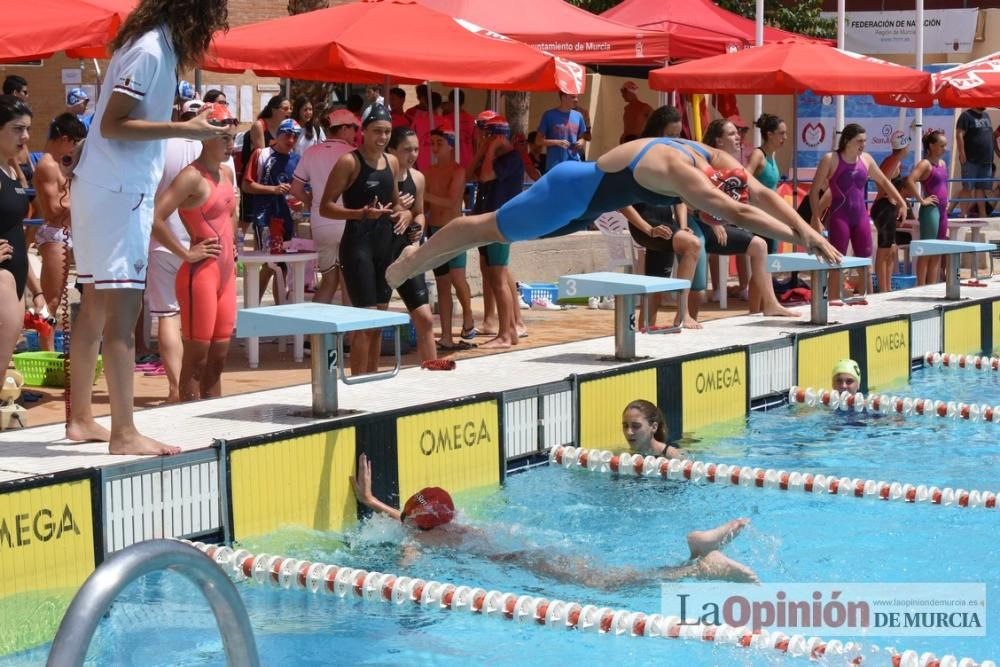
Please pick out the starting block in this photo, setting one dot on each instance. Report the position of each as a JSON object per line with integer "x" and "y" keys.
{"x": 953, "y": 251}
{"x": 625, "y": 287}
{"x": 326, "y": 325}
{"x": 801, "y": 261}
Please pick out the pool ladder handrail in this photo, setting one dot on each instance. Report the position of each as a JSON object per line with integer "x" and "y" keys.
{"x": 92, "y": 601}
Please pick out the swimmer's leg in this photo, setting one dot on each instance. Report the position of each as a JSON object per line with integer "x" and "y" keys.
{"x": 457, "y": 236}
{"x": 703, "y": 542}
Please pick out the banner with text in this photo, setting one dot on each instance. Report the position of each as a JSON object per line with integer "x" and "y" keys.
{"x": 874, "y": 33}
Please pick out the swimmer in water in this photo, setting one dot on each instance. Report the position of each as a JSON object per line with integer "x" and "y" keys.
{"x": 847, "y": 376}
{"x": 645, "y": 430}
{"x": 429, "y": 517}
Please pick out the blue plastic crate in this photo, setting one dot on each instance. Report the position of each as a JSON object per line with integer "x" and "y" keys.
{"x": 388, "y": 335}
{"x": 532, "y": 291}
{"x": 903, "y": 281}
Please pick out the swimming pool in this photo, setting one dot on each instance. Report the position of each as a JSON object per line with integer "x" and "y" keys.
{"x": 622, "y": 521}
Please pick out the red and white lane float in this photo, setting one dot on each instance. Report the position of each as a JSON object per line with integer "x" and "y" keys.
{"x": 603, "y": 461}
{"x": 288, "y": 573}
{"x": 961, "y": 361}
{"x": 884, "y": 404}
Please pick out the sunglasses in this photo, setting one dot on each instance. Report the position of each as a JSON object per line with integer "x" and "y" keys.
{"x": 225, "y": 122}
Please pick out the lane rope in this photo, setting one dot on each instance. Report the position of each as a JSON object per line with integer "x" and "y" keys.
{"x": 689, "y": 470}
{"x": 288, "y": 573}
{"x": 961, "y": 361}
{"x": 884, "y": 404}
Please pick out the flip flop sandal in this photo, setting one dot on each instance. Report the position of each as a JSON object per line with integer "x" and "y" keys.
{"x": 156, "y": 373}
{"x": 470, "y": 333}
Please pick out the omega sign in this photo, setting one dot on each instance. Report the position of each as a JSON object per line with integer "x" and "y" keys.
{"x": 454, "y": 437}
{"x": 716, "y": 379}
{"x": 43, "y": 525}
{"x": 890, "y": 342}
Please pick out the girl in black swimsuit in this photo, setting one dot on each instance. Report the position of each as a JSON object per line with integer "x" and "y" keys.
{"x": 15, "y": 120}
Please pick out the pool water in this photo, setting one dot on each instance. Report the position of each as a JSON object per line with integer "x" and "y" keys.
{"x": 641, "y": 523}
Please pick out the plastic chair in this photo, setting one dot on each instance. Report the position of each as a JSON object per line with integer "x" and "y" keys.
{"x": 621, "y": 248}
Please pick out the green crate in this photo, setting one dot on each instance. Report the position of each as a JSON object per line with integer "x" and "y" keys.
{"x": 46, "y": 369}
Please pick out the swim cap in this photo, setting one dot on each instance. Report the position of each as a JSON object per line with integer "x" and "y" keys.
{"x": 76, "y": 95}
{"x": 376, "y": 112}
{"x": 498, "y": 125}
{"x": 341, "y": 117}
{"x": 429, "y": 508}
{"x": 289, "y": 126}
{"x": 849, "y": 367}
{"x": 485, "y": 116}
{"x": 446, "y": 133}
{"x": 899, "y": 140}
{"x": 219, "y": 114}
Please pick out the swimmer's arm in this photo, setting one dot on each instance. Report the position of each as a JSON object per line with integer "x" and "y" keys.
{"x": 179, "y": 193}
{"x": 418, "y": 202}
{"x": 117, "y": 124}
{"x": 401, "y": 215}
{"x": 54, "y": 207}
{"x": 338, "y": 181}
{"x": 801, "y": 233}
{"x": 820, "y": 181}
{"x": 681, "y": 215}
{"x": 362, "y": 484}
{"x": 919, "y": 173}
{"x": 884, "y": 183}
{"x": 636, "y": 220}
{"x": 756, "y": 162}
{"x": 257, "y": 135}
{"x": 298, "y": 190}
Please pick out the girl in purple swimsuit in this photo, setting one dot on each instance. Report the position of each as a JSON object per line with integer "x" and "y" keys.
{"x": 845, "y": 172}
{"x": 933, "y": 173}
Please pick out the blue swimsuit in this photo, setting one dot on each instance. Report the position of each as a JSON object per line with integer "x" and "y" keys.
{"x": 572, "y": 195}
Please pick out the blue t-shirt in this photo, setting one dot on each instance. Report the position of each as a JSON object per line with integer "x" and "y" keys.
{"x": 273, "y": 168}
{"x": 568, "y": 125}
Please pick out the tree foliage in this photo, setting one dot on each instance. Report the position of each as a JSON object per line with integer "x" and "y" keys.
{"x": 801, "y": 16}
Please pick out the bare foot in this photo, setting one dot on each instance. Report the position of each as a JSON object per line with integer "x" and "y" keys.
{"x": 87, "y": 431}
{"x": 780, "y": 311}
{"x": 140, "y": 445}
{"x": 689, "y": 323}
{"x": 498, "y": 343}
{"x": 718, "y": 566}
{"x": 396, "y": 275}
{"x": 701, "y": 542}
{"x": 488, "y": 328}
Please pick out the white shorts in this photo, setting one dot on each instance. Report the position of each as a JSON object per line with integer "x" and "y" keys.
{"x": 161, "y": 283}
{"x": 111, "y": 236}
{"x": 327, "y": 239}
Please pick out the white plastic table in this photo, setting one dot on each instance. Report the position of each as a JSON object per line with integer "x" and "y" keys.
{"x": 252, "y": 262}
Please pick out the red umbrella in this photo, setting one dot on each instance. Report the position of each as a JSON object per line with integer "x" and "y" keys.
{"x": 973, "y": 84}
{"x": 565, "y": 30}
{"x": 698, "y": 28}
{"x": 365, "y": 41}
{"x": 40, "y": 28}
{"x": 790, "y": 67}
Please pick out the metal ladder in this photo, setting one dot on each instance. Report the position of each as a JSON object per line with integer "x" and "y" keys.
{"x": 92, "y": 601}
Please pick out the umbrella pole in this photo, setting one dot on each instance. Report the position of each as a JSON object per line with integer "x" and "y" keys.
{"x": 795, "y": 151}
{"x": 457, "y": 126}
{"x": 918, "y": 114}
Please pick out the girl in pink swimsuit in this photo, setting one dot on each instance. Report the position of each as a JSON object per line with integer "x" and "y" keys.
{"x": 933, "y": 173}
{"x": 845, "y": 172}
{"x": 204, "y": 197}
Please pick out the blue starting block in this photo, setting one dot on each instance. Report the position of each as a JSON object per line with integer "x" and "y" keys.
{"x": 625, "y": 287}
{"x": 801, "y": 261}
{"x": 953, "y": 251}
{"x": 323, "y": 323}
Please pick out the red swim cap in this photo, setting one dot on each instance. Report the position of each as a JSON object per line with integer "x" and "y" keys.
{"x": 429, "y": 508}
